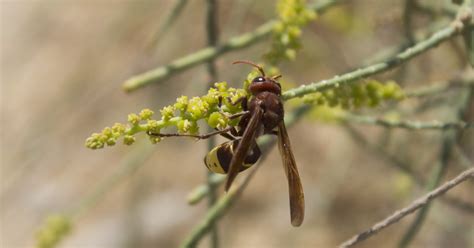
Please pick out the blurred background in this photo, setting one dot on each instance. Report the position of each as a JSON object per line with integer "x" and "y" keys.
{"x": 63, "y": 64}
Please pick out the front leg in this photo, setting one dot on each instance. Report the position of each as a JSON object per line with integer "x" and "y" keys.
{"x": 197, "y": 136}
{"x": 242, "y": 101}
{"x": 232, "y": 134}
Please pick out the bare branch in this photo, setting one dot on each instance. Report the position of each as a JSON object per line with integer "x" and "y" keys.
{"x": 212, "y": 40}
{"x": 172, "y": 16}
{"x": 418, "y": 203}
{"x": 466, "y": 80}
{"x": 412, "y": 125}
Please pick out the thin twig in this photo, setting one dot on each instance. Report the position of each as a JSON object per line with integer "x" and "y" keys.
{"x": 383, "y": 154}
{"x": 173, "y": 15}
{"x": 418, "y": 203}
{"x": 209, "y": 53}
{"x": 461, "y": 157}
{"x": 436, "y": 88}
{"x": 437, "y": 173}
{"x": 449, "y": 139}
{"x": 438, "y": 37}
{"x": 396, "y": 162}
{"x": 412, "y": 125}
{"x": 391, "y": 51}
{"x": 212, "y": 40}
{"x": 429, "y": 9}
{"x": 408, "y": 20}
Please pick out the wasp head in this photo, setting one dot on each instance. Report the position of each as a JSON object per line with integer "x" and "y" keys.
{"x": 262, "y": 83}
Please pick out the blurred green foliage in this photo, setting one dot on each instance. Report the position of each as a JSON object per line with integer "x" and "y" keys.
{"x": 55, "y": 228}
{"x": 292, "y": 16}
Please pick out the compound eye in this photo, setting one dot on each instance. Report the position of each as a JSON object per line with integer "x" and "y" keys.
{"x": 258, "y": 79}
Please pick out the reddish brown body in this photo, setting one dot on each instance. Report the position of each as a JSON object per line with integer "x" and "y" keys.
{"x": 265, "y": 116}
{"x": 272, "y": 110}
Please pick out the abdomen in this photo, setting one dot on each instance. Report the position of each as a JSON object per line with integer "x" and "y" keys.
{"x": 219, "y": 158}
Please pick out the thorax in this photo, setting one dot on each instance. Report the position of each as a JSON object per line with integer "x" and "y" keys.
{"x": 272, "y": 107}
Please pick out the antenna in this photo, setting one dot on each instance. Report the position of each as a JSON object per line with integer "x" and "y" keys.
{"x": 250, "y": 63}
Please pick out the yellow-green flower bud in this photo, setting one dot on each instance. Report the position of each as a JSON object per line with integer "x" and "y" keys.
{"x": 128, "y": 139}
{"x": 193, "y": 128}
{"x": 278, "y": 28}
{"x": 212, "y": 97}
{"x": 183, "y": 126}
{"x": 221, "y": 86}
{"x": 111, "y": 142}
{"x": 294, "y": 32}
{"x": 107, "y": 131}
{"x": 310, "y": 15}
{"x": 146, "y": 114}
{"x": 391, "y": 90}
{"x": 92, "y": 143}
{"x": 167, "y": 113}
{"x": 103, "y": 138}
{"x": 290, "y": 54}
{"x": 154, "y": 139}
{"x": 197, "y": 108}
{"x": 152, "y": 125}
{"x": 118, "y": 128}
{"x": 181, "y": 103}
{"x": 285, "y": 39}
{"x": 216, "y": 120}
{"x": 56, "y": 227}
{"x": 133, "y": 119}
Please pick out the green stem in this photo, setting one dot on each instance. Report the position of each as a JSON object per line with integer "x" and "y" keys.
{"x": 412, "y": 125}
{"x": 212, "y": 41}
{"x": 204, "y": 55}
{"x": 408, "y": 20}
{"x": 173, "y": 15}
{"x": 436, "y": 88}
{"x": 351, "y": 77}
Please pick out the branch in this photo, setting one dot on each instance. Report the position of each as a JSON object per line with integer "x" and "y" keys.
{"x": 394, "y": 160}
{"x": 209, "y": 53}
{"x": 466, "y": 80}
{"x": 408, "y": 20}
{"x": 172, "y": 16}
{"x": 412, "y": 125}
{"x": 212, "y": 40}
{"x": 462, "y": 158}
{"x": 418, "y": 203}
{"x": 438, "y": 37}
{"x": 437, "y": 174}
{"x": 449, "y": 139}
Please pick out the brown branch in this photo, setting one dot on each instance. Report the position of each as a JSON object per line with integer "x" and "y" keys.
{"x": 415, "y": 205}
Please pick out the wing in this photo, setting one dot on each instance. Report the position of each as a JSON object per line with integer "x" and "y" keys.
{"x": 245, "y": 144}
{"x": 294, "y": 182}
